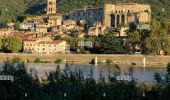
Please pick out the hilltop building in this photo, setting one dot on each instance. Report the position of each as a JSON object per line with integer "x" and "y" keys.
{"x": 90, "y": 15}
{"x": 119, "y": 14}
{"x": 114, "y": 15}
{"x": 43, "y": 24}
{"x": 51, "y": 7}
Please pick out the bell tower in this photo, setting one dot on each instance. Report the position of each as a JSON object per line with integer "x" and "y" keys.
{"x": 51, "y": 7}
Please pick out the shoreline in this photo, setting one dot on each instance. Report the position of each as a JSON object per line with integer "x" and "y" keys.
{"x": 135, "y": 59}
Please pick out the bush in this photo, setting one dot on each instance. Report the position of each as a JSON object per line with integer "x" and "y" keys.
{"x": 58, "y": 61}
{"x": 47, "y": 62}
{"x": 109, "y": 61}
{"x": 37, "y": 60}
{"x": 168, "y": 68}
{"x": 28, "y": 61}
{"x": 92, "y": 61}
{"x": 16, "y": 60}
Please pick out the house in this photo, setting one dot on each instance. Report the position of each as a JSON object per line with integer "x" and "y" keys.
{"x": 45, "y": 45}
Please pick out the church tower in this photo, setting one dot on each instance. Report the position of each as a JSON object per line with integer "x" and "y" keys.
{"x": 51, "y": 7}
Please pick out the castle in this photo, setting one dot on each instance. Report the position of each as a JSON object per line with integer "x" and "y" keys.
{"x": 125, "y": 13}
{"x": 114, "y": 15}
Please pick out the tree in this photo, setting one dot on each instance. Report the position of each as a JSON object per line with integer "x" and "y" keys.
{"x": 58, "y": 61}
{"x": 135, "y": 39}
{"x": 12, "y": 44}
{"x": 16, "y": 60}
{"x": 17, "y": 26}
{"x": 110, "y": 45}
{"x": 37, "y": 60}
{"x": 157, "y": 40}
{"x": 0, "y": 44}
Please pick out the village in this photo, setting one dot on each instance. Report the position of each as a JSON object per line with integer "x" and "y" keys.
{"x": 38, "y": 32}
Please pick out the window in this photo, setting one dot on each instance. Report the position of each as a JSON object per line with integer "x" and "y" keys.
{"x": 50, "y": 3}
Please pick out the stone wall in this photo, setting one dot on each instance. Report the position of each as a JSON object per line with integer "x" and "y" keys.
{"x": 125, "y": 13}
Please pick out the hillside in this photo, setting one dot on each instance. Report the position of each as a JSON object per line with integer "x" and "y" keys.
{"x": 13, "y": 8}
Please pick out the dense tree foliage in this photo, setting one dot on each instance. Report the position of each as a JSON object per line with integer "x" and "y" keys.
{"x": 151, "y": 41}
{"x": 12, "y": 44}
{"x": 107, "y": 44}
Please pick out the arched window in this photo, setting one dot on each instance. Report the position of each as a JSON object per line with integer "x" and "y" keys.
{"x": 123, "y": 19}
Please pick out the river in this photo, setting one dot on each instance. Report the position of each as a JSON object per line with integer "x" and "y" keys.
{"x": 141, "y": 74}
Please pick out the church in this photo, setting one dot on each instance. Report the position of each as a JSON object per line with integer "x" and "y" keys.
{"x": 45, "y": 23}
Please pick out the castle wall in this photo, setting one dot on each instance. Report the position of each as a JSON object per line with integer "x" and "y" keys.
{"x": 119, "y": 14}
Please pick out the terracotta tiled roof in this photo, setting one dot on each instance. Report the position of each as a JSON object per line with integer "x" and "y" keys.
{"x": 53, "y": 42}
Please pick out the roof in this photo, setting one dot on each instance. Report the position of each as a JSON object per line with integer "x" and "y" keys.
{"x": 86, "y": 9}
{"x": 53, "y": 42}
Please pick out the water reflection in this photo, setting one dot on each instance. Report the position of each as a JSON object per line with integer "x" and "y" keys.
{"x": 140, "y": 73}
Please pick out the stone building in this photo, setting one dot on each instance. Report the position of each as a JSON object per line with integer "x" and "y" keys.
{"x": 55, "y": 20}
{"x": 90, "y": 15}
{"x": 119, "y": 14}
{"x": 51, "y": 7}
{"x": 45, "y": 45}
{"x": 96, "y": 30}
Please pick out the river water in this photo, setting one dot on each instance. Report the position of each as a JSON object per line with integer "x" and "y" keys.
{"x": 141, "y": 74}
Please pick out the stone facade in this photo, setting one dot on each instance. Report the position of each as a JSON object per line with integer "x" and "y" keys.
{"x": 90, "y": 15}
{"x": 45, "y": 46}
{"x": 54, "y": 20}
{"x": 51, "y": 7}
{"x": 119, "y": 14}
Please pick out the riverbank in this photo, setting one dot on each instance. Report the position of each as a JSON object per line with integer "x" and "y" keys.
{"x": 136, "y": 60}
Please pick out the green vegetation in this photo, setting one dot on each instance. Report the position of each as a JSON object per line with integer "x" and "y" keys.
{"x": 58, "y": 61}
{"x": 12, "y": 44}
{"x": 109, "y": 61}
{"x": 151, "y": 41}
{"x": 17, "y": 60}
{"x": 28, "y": 61}
{"x": 73, "y": 86}
{"x": 37, "y": 60}
{"x": 1, "y": 44}
{"x": 92, "y": 61}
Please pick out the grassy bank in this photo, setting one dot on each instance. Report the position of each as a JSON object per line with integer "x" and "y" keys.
{"x": 136, "y": 60}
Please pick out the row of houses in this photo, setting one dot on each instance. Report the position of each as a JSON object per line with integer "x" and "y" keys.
{"x": 45, "y": 45}
{"x": 38, "y": 43}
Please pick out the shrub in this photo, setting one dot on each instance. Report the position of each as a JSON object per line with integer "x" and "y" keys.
{"x": 58, "y": 61}
{"x": 109, "y": 61}
{"x": 37, "y": 60}
{"x": 168, "y": 68}
{"x": 92, "y": 61}
{"x": 16, "y": 60}
{"x": 28, "y": 61}
{"x": 47, "y": 62}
